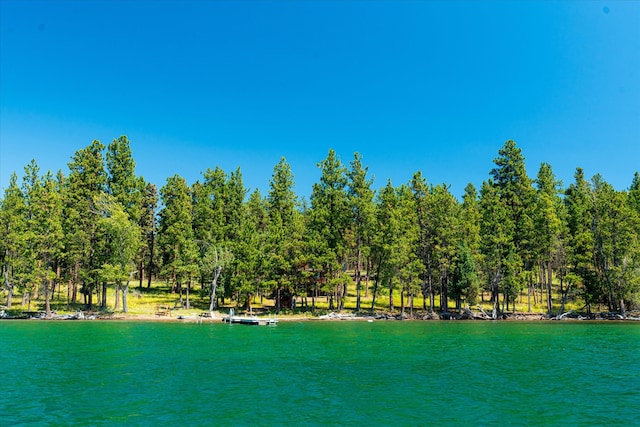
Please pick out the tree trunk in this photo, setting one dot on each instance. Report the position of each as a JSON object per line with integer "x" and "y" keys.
{"x": 104, "y": 295}
{"x": 564, "y": 298}
{"x": 374, "y": 293}
{"x": 214, "y": 285}
{"x": 549, "y": 281}
{"x": 8, "y": 285}
{"x": 358, "y": 273}
{"x": 444, "y": 301}
{"x": 74, "y": 294}
{"x": 9, "y": 297}
{"x": 411, "y": 303}
{"x": 47, "y": 302}
{"x": 68, "y": 293}
{"x": 278, "y": 300}
{"x": 188, "y": 305}
{"x": 141, "y": 269}
{"x": 358, "y": 291}
{"x": 150, "y": 265}
{"x": 248, "y": 306}
{"x": 366, "y": 279}
{"x": 431, "y": 296}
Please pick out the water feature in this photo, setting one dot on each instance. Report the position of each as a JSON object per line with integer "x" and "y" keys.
{"x": 79, "y": 373}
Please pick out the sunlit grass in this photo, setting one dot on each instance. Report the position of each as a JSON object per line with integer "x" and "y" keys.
{"x": 144, "y": 301}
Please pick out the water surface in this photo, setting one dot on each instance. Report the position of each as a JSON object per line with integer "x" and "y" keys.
{"x": 319, "y": 373}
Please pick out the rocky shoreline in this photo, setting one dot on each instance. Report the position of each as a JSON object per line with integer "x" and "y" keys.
{"x": 463, "y": 315}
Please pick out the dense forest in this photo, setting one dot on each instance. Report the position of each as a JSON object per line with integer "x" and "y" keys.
{"x": 102, "y": 227}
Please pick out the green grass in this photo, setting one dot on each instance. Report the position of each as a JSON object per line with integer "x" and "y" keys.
{"x": 144, "y": 301}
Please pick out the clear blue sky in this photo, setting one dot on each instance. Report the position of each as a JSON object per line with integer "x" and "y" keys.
{"x": 436, "y": 86}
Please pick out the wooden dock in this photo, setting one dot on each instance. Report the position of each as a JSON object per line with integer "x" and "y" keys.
{"x": 252, "y": 320}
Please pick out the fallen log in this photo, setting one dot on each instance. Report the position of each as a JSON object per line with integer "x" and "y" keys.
{"x": 563, "y": 315}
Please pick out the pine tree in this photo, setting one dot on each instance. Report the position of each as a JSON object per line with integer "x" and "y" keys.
{"x": 87, "y": 180}
{"x": 122, "y": 183}
{"x": 362, "y": 210}
{"x": 579, "y": 207}
{"x": 329, "y": 224}
{"x": 250, "y": 248}
{"x": 496, "y": 229}
{"x": 464, "y": 282}
{"x": 515, "y": 191}
{"x": 616, "y": 243}
{"x": 283, "y": 235}
{"x": 388, "y": 228}
{"x": 148, "y": 207}
{"x": 446, "y": 236}
{"x": 12, "y": 238}
{"x": 549, "y": 226}
{"x": 209, "y": 227}
{"x": 175, "y": 235}
{"x": 423, "y": 205}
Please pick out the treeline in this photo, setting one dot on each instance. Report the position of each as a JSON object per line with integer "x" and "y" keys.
{"x": 102, "y": 226}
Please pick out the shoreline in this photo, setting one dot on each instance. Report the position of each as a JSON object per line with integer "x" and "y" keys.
{"x": 333, "y": 317}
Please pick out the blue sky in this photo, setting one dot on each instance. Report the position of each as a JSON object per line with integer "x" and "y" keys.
{"x": 435, "y": 86}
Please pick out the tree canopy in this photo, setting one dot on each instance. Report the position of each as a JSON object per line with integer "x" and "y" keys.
{"x": 103, "y": 226}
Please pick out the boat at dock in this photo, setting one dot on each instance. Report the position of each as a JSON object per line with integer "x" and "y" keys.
{"x": 249, "y": 320}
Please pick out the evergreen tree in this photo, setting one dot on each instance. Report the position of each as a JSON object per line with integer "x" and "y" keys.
{"x": 399, "y": 267}
{"x": 446, "y": 236}
{"x": 209, "y": 227}
{"x": 515, "y": 191}
{"x": 423, "y": 205}
{"x": 634, "y": 194}
{"x": 362, "y": 210}
{"x": 329, "y": 223}
{"x": 388, "y": 228}
{"x": 470, "y": 220}
{"x": 234, "y": 217}
{"x": 121, "y": 178}
{"x": 464, "y": 282}
{"x": 283, "y": 235}
{"x": 579, "y": 207}
{"x": 233, "y": 207}
{"x": 497, "y": 246}
{"x": 549, "y": 225}
{"x": 149, "y": 205}
{"x": 175, "y": 235}
{"x": 407, "y": 265}
{"x": 12, "y": 238}
{"x": 251, "y": 247}
{"x": 87, "y": 180}
{"x": 617, "y": 258}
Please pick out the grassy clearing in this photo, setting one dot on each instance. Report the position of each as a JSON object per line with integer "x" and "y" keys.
{"x": 145, "y": 301}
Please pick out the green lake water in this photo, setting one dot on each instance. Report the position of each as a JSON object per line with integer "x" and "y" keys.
{"x": 84, "y": 373}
